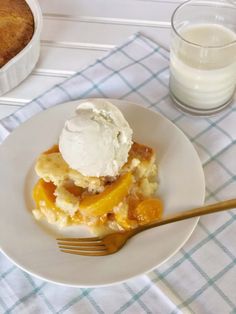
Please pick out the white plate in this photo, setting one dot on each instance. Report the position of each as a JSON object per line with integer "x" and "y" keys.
{"x": 32, "y": 245}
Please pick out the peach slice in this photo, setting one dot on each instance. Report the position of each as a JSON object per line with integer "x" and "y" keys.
{"x": 44, "y": 191}
{"x": 53, "y": 149}
{"x": 148, "y": 211}
{"x": 104, "y": 202}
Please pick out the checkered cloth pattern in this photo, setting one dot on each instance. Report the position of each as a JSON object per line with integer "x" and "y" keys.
{"x": 201, "y": 277}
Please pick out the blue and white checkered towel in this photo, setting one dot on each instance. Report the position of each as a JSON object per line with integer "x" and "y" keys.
{"x": 201, "y": 278}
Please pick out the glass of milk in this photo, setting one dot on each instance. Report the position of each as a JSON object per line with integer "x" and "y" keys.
{"x": 203, "y": 56}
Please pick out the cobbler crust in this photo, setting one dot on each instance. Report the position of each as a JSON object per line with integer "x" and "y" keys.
{"x": 16, "y": 28}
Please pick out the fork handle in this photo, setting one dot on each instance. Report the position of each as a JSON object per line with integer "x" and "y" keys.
{"x": 199, "y": 211}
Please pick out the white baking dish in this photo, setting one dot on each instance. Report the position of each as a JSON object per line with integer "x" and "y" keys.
{"x": 19, "y": 67}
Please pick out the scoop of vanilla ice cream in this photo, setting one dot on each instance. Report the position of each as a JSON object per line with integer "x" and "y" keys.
{"x": 97, "y": 140}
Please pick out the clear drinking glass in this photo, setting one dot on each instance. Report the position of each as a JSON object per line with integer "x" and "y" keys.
{"x": 203, "y": 56}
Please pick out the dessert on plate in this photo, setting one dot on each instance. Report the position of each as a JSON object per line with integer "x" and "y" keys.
{"x": 16, "y": 28}
{"x": 97, "y": 175}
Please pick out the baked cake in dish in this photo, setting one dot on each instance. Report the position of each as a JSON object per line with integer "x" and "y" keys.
{"x": 16, "y": 28}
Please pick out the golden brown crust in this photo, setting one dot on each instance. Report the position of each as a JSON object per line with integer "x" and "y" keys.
{"x": 141, "y": 152}
{"x": 16, "y": 28}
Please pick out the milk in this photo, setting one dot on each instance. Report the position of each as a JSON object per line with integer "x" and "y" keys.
{"x": 203, "y": 78}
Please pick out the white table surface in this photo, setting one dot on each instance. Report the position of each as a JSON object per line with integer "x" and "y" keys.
{"x": 76, "y": 32}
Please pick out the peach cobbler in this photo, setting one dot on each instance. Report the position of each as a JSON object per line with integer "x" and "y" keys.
{"x": 119, "y": 194}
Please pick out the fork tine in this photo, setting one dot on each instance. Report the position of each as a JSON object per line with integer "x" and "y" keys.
{"x": 100, "y": 253}
{"x": 94, "y": 239}
{"x": 69, "y": 243}
{"x": 91, "y": 239}
{"x": 98, "y": 249}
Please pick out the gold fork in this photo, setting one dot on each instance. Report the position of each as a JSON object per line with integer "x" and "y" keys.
{"x": 109, "y": 244}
